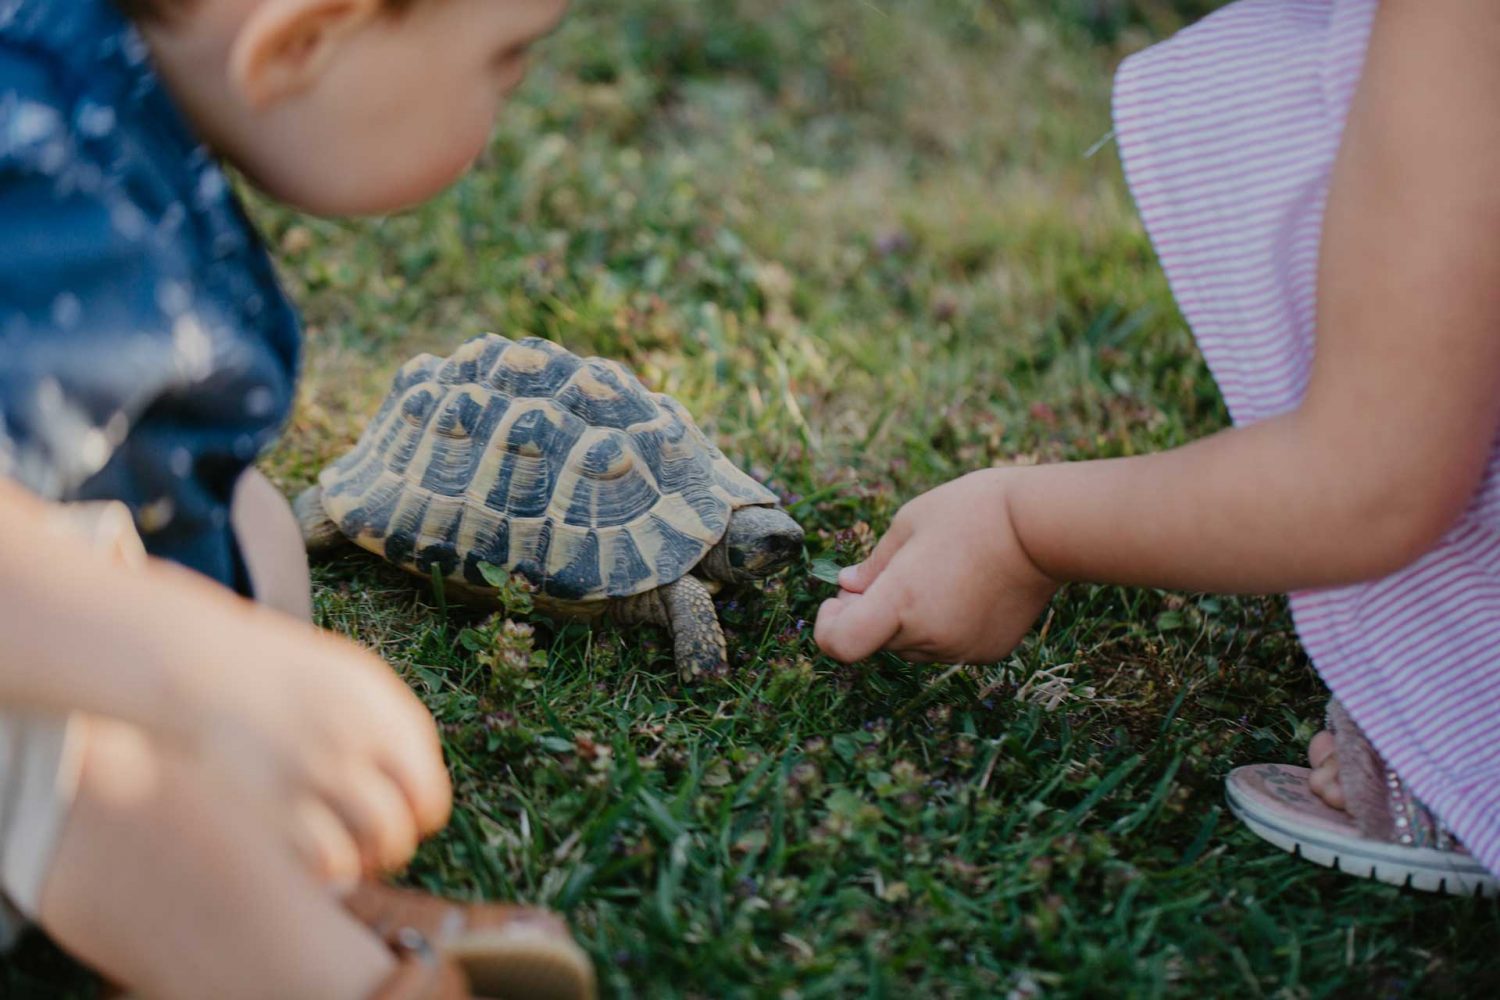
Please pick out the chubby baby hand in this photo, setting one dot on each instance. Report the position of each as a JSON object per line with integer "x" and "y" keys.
{"x": 949, "y": 582}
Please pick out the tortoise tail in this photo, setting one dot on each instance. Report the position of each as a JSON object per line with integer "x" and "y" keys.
{"x": 697, "y": 638}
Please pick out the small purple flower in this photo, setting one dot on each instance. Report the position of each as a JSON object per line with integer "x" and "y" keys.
{"x": 893, "y": 242}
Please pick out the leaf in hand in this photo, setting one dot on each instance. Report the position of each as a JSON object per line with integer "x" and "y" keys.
{"x": 827, "y": 570}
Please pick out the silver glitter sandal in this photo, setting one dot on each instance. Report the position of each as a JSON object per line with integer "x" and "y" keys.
{"x": 1386, "y": 834}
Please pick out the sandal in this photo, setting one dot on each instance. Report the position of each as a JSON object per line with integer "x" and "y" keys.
{"x": 455, "y": 951}
{"x": 1386, "y": 834}
{"x": 422, "y": 975}
{"x": 505, "y": 951}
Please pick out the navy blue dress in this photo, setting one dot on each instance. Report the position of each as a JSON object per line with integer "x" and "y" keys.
{"x": 147, "y": 353}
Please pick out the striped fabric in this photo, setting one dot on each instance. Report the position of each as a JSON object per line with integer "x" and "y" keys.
{"x": 1228, "y": 134}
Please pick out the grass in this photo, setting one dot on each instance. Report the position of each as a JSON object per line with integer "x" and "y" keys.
{"x": 861, "y": 239}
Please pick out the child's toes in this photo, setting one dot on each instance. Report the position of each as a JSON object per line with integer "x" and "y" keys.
{"x": 1324, "y": 780}
{"x": 1320, "y": 749}
{"x": 1325, "y": 784}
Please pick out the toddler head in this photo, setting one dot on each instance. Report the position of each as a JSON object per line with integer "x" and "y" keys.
{"x": 344, "y": 107}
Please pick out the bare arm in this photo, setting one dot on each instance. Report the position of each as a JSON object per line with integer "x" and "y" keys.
{"x": 1404, "y": 398}
{"x": 1388, "y": 446}
{"x": 80, "y": 631}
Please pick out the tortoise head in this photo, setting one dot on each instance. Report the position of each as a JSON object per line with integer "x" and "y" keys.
{"x": 760, "y": 541}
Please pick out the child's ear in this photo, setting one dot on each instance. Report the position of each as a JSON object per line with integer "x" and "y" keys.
{"x": 285, "y": 45}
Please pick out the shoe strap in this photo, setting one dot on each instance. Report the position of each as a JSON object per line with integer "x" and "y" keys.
{"x": 1376, "y": 796}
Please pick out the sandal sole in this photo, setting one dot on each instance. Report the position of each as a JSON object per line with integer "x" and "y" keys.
{"x": 1337, "y": 844}
{"x": 523, "y": 963}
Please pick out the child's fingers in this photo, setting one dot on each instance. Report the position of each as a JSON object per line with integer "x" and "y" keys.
{"x": 857, "y": 578}
{"x": 422, "y": 777}
{"x": 320, "y": 839}
{"x": 377, "y": 816}
{"x": 430, "y": 798}
{"x": 852, "y": 626}
{"x": 411, "y": 753}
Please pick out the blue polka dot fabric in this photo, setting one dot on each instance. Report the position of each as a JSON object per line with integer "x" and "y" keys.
{"x": 147, "y": 353}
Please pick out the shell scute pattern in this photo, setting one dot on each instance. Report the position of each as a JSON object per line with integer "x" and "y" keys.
{"x": 621, "y": 561}
{"x": 610, "y": 484}
{"x": 486, "y": 542}
{"x": 602, "y": 394}
{"x": 530, "y": 368}
{"x": 530, "y": 453}
{"x": 467, "y": 365}
{"x": 464, "y": 425}
{"x": 581, "y": 573}
{"x": 522, "y": 455}
{"x": 440, "y": 534}
{"x": 420, "y": 370}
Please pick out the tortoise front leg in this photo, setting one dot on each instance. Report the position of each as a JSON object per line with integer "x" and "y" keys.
{"x": 697, "y": 638}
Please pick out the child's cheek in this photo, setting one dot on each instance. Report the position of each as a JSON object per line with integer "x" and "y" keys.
{"x": 461, "y": 156}
{"x": 448, "y": 157}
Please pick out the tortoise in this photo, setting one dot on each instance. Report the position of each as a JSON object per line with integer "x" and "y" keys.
{"x": 522, "y": 456}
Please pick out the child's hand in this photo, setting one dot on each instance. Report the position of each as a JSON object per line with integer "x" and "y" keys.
{"x": 323, "y": 734}
{"x": 949, "y": 582}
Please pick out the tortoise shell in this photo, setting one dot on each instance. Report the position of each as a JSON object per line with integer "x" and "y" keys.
{"x": 527, "y": 457}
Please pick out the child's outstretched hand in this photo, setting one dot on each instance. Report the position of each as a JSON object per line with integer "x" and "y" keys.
{"x": 949, "y": 582}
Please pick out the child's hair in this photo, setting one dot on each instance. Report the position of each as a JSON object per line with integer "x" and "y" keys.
{"x": 159, "y": 10}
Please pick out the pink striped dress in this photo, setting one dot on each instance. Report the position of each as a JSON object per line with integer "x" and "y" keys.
{"x": 1228, "y": 133}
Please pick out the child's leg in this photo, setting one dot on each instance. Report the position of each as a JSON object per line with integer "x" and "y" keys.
{"x": 272, "y": 546}
{"x": 175, "y": 891}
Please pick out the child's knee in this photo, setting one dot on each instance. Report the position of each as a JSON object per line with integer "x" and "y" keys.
{"x": 272, "y": 546}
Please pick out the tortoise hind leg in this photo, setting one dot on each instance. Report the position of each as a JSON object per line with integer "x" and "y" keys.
{"x": 319, "y": 533}
{"x": 697, "y": 638}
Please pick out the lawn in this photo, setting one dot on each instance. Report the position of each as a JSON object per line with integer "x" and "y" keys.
{"x": 871, "y": 244}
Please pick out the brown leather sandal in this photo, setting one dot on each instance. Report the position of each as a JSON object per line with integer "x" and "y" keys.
{"x": 506, "y": 952}
{"x": 423, "y": 975}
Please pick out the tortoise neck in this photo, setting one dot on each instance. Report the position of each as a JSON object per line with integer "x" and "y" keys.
{"x": 715, "y": 565}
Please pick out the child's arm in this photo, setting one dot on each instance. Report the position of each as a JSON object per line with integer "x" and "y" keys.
{"x": 1387, "y": 448}
{"x": 321, "y": 730}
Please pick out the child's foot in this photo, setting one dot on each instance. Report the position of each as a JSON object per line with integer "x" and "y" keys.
{"x": 504, "y": 950}
{"x": 1351, "y": 812}
{"x": 1324, "y": 779}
